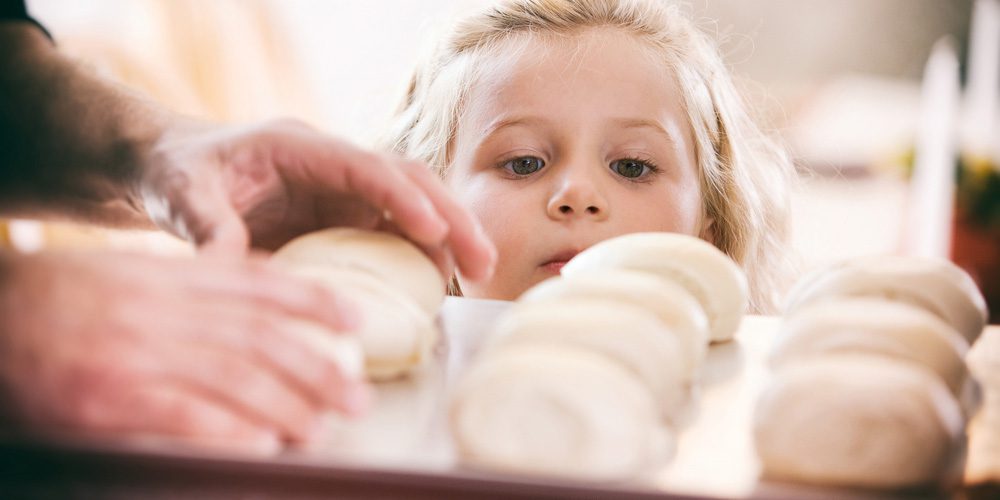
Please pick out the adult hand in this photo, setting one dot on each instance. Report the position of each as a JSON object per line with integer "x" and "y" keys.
{"x": 232, "y": 188}
{"x": 197, "y": 350}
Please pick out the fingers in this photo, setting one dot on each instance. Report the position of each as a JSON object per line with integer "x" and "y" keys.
{"x": 242, "y": 386}
{"x": 266, "y": 287}
{"x": 333, "y": 166}
{"x": 386, "y": 187}
{"x": 337, "y": 378}
{"x": 217, "y": 229}
{"x": 419, "y": 205}
{"x": 440, "y": 255}
{"x": 201, "y": 212}
{"x": 325, "y": 368}
{"x": 192, "y": 349}
{"x": 229, "y": 237}
{"x": 474, "y": 252}
{"x": 150, "y": 413}
{"x": 291, "y": 326}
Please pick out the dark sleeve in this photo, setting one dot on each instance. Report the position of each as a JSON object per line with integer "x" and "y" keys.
{"x": 15, "y": 10}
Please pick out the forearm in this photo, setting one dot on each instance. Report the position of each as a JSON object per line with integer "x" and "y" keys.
{"x": 72, "y": 145}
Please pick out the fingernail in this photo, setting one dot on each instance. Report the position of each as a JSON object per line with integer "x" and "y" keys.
{"x": 488, "y": 268}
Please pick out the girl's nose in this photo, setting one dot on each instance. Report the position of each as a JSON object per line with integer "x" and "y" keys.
{"x": 577, "y": 196}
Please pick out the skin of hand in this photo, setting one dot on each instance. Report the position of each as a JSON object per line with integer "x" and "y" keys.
{"x": 194, "y": 349}
{"x": 79, "y": 147}
{"x": 260, "y": 186}
{"x": 197, "y": 350}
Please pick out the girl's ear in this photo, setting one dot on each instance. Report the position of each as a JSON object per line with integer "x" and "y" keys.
{"x": 707, "y": 232}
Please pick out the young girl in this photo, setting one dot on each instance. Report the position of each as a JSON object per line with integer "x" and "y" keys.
{"x": 561, "y": 123}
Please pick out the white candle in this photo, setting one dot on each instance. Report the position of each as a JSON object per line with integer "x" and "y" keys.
{"x": 983, "y": 85}
{"x": 932, "y": 189}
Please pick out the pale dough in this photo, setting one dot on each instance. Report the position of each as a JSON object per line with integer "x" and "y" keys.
{"x": 873, "y": 326}
{"x": 852, "y": 420}
{"x": 938, "y": 286}
{"x": 556, "y": 411}
{"x": 672, "y": 304}
{"x": 709, "y": 275}
{"x": 625, "y": 334}
{"x": 390, "y": 258}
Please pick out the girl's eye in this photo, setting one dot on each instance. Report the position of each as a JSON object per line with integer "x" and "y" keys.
{"x": 526, "y": 165}
{"x": 632, "y": 168}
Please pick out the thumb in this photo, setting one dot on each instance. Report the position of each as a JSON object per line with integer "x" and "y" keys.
{"x": 227, "y": 237}
{"x": 215, "y": 225}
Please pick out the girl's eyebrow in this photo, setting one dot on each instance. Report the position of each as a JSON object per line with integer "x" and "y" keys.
{"x": 502, "y": 122}
{"x": 512, "y": 121}
{"x": 655, "y": 125}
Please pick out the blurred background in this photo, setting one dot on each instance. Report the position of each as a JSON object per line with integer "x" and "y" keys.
{"x": 840, "y": 82}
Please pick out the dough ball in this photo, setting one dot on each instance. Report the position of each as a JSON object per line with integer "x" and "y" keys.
{"x": 386, "y": 256}
{"x": 938, "y": 286}
{"x": 858, "y": 421}
{"x": 625, "y": 334}
{"x": 711, "y": 277}
{"x": 671, "y": 303}
{"x": 560, "y": 411}
{"x": 873, "y": 326}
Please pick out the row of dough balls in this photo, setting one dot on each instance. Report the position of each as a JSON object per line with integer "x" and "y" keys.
{"x": 396, "y": 286}
{"x": 870, "y": 375}
{"x": 581, "y": 377}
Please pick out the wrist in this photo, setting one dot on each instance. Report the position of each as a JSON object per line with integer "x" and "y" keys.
{"x": 152, "y": 161}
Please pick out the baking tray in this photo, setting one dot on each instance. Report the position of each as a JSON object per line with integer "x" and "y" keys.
{"x": 402, "y": 448}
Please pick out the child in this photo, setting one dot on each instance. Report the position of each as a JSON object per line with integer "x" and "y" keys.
{"x": 561, "y": 123}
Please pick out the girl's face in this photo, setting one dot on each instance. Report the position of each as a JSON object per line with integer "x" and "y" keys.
{"x": 575, "y": 140}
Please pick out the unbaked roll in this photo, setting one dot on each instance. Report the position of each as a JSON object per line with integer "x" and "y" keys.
{"x": 938, "y": 286}
{"x": 873, "y": 326}
{"x": 557, "y": 411}
{"x": 711, "y": 277}
{"x": 386, "y": 256}
{"x": 851, "y": 420}
{"x": 396, "y": 336}
{"x": 625, "y": 334}
{"x": 671, "y": 303}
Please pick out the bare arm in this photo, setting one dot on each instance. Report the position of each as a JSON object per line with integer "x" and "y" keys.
{"x": 71, "y": 142}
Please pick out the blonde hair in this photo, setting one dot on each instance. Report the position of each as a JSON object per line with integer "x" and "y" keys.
{"x": 743, "y": 173}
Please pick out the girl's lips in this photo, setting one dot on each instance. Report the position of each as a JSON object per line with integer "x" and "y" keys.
{"x": 555, "y": 266}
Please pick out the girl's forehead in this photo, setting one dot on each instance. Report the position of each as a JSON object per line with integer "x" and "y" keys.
{"x": 602, "y": 69}
{"x": 530, "y": 59}
{"x": 568, "y": 48}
